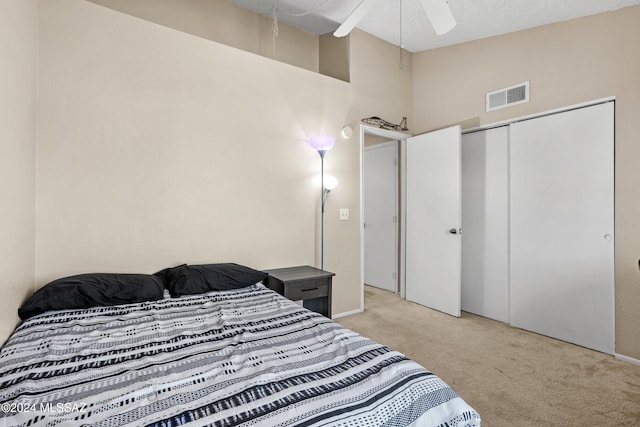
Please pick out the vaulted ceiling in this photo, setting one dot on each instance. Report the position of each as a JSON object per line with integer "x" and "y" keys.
{"x": 475, "y": 19}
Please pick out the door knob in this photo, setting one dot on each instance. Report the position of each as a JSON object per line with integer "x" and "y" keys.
{"x": 453, "y": 231}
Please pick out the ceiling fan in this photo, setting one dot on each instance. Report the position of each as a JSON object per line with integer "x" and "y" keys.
{"x": 437, "y": 11}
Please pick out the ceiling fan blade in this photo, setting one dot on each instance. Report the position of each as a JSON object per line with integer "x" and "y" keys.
{"x": 356, "y": 16}
{"x": 440, "y": 15}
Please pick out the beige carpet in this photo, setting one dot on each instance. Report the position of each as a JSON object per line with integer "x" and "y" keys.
{"x": 510, "y": 376}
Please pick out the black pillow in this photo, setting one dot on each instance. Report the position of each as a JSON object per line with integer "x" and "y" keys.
{"x": 164, "y": 275}
{"x": 91, "y": 290}
{"x": 198, "y": 279}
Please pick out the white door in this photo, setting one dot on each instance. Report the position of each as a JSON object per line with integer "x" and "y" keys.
{"x": 485, "y": 223}
{"x": 561, "y": 236}
{"x": 380, "y": 213}
{"x": 433, "y": 220}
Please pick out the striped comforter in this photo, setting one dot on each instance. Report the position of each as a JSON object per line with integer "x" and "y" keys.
{"x": 247, "y": 357}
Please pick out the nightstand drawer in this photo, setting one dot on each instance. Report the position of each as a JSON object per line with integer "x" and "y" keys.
{"x": 307, "y": 290}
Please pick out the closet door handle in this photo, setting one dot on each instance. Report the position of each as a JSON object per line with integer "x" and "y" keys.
{"x": 453, "y": 231}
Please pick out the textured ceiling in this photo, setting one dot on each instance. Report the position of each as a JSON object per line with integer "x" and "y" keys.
{"x": 476, "y": 19}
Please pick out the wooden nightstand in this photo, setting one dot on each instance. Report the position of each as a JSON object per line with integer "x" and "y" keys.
{"x": 306, "y": 283}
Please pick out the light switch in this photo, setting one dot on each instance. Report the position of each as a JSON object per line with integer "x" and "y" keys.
{"x": 344, "y": 214}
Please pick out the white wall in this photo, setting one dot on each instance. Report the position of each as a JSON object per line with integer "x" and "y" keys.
{"x": 18, "y": 70}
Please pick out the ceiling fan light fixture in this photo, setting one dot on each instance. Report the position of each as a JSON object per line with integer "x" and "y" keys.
{"x": 439, "y": 15}
{"x": 354, "y": 18}
{"x": 437, "y": 11}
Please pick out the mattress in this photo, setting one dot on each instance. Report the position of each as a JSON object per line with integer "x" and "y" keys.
{"x": 244, "y": 357}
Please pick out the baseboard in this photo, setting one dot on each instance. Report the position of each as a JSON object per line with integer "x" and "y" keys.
{"x": 627, "y": 359}
{"x": 347, "y": 313}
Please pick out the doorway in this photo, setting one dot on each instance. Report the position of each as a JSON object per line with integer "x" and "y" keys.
{"x": 392, "y": 247}
{"x": 439, "y": 140}
{"x": 380, "y": 175}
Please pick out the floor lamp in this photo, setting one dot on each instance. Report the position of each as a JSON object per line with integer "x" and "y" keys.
{"x": 322, "y": 144}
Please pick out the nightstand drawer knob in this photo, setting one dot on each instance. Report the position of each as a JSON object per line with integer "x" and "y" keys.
{"x": 310, "y": 289}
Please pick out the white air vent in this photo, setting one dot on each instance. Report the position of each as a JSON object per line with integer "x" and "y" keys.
{"x": 508, "y": 96}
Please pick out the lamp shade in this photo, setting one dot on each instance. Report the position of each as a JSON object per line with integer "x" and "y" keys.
{"x": 330, "y": 182}
{"x": 322, "y": 143}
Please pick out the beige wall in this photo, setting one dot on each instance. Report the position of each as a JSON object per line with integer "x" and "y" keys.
{"x": 334, "y": 56}
{"x": 18, "y": 70}
{"x": 157, "y": 147}
{"x": 566, "y": 63}
{"x": 379, "y": 88}
{"x": 226, "y": 23}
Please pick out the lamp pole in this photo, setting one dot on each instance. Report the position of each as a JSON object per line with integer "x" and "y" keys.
{"x": 322, "y": 144}
{"x": 322, "y": 200}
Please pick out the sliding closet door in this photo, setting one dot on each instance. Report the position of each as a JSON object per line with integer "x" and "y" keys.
{"x": 485, "y": 223}
{"x": 561, "y": 235}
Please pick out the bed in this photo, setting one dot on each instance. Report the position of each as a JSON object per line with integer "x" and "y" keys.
{"x": 237, "y": 356}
